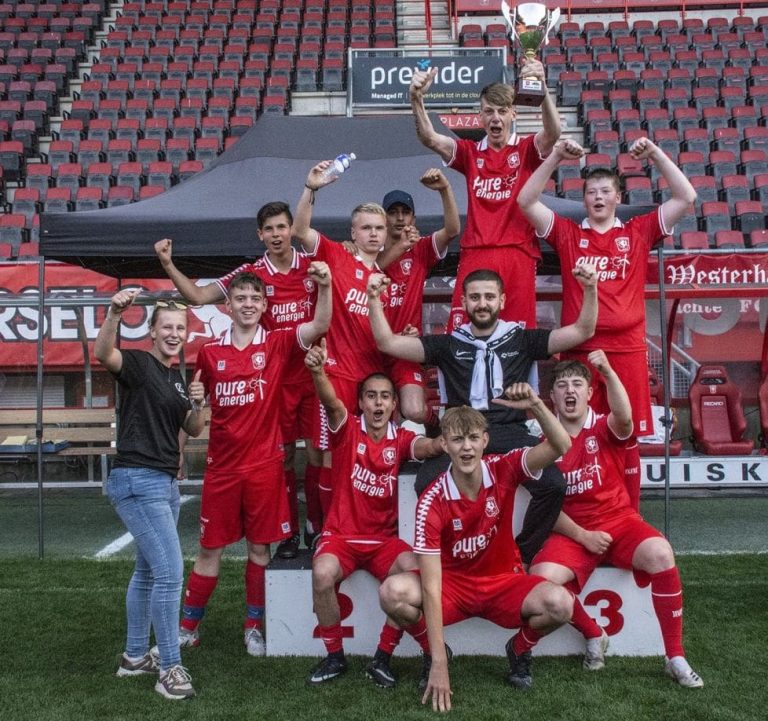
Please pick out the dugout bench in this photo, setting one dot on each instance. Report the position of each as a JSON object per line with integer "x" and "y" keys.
{"x": 67, "y": 432}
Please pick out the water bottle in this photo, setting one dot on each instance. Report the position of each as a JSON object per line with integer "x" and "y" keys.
{"x": 339, "y": 165}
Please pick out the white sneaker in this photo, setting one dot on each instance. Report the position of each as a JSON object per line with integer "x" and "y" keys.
{"x": 680, "y": 670}
{"x": 254, "y": 642}
{"x": 594, "y": 655}
{"x": 175, "y": 684}
{"x": 188, "y": 639}
{"x": 148, "y": 663}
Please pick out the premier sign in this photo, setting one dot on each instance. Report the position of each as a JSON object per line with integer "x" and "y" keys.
{"x": 385, "y": 79}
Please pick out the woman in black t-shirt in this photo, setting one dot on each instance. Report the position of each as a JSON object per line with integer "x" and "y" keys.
{"x": 154, "y": 405}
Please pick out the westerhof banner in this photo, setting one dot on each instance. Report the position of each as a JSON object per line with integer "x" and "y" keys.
{"x": 384, "y": 79}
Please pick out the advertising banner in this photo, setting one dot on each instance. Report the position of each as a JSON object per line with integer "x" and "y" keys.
{"x": 384, "y": 79}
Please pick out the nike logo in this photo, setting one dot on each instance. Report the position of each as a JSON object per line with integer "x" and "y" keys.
{"x": 464, "y": 354}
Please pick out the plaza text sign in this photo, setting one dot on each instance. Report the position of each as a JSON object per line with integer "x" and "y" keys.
{"x": 384, "y": 80}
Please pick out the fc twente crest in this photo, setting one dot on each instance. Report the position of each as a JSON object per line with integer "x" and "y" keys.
{"x": 259, "y": 360}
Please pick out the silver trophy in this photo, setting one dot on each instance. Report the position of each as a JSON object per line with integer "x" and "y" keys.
{"x": 529, "y": 25}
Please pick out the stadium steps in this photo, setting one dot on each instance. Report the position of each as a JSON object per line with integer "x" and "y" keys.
{"x": 410, "y": 24}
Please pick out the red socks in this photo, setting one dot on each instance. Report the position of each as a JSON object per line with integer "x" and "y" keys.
{"x": 667, "y": 596}
{"x": 390, "y": 637}
{"x": 582, "y": 621}
{"x": 254, "y": 594}
{"x": 199, "y": 590}
{"x": 419, "y": 632}
{"x": 525, "y": 639}
{"x": 331, "y": 636}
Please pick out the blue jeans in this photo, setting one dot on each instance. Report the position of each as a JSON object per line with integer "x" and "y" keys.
{"x": 148, "y": 503}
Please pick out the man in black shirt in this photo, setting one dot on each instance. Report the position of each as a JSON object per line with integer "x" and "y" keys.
{"x": 477, "y": 362}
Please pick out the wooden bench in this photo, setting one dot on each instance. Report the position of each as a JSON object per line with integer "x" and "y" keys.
{"x": 67, "y": 432}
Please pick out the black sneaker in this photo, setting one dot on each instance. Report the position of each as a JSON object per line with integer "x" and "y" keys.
{"x": 289, "y": 548}
{"x": 379, "y": 672}
{"x": 519, "y": 668}
{"x": 332, "y": 666}
{"x": 426, "y": 666}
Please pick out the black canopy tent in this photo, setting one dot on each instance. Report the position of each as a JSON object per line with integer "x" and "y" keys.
{"x": 212, "y": 216}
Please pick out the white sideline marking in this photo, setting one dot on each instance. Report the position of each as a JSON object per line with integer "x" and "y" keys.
{"x": 120, "y": 543}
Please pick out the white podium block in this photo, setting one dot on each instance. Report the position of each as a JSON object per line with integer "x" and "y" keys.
{"x": 611, "y": 597}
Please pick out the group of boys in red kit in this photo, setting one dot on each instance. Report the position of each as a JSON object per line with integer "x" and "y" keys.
{"x": 465, "y": 561}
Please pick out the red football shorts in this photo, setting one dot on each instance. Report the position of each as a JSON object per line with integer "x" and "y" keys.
{"x": 297, "y": 411}
{"x": 496, "y": 598}
{"x": 375, "y": 555}
{"x": 518, "y": 273}
{"x": 632, "y": 369}
{"x": 253, "y": 504}
{"x": 347, "y": 392}
{"x": 404, "y": 373}
{"x": 627, "y": 533}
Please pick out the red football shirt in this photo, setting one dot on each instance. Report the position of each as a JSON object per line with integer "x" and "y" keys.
{"x": 406, "y": 291}
{"x": 621, "y": 259}
{"x": 243, "y": 389}
{"x": 474, "y": 537}
{"x": 494, "y": 179}
{"x": 365, "y": 479}
{"x": 594, "y": 473}
{"x": 291, "y": 299}
{"x": 352, "y": 352}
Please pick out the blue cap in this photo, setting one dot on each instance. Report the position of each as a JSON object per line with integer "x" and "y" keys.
{"x": 398, "y": 196}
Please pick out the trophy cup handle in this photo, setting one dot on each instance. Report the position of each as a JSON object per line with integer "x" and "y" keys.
{"x": 553, "y": 18}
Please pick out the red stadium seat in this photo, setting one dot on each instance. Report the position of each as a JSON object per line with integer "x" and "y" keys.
{"x": 717, "y": 415}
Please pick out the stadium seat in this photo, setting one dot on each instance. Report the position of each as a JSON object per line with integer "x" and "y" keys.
{"x": 12, "y": 159}
{"x": 26, "y": 202}
{"x": 760, "y": 183}
{"x": 758, "y": 239}
{"x": 694, "y": 240}
{"x": 150, "y": 191}
{"x": 160, "y": 173}
{"x": 39, "y": 176}
{"x": 705, "y": 187}
{"x": 729, "y": 240}
{"x": 129, "y": 174}
{"x": 726, "y": 139}
{"x": 749, "y": 215}
{"x": 573, "y": 188}
{"x": 638, "y": 190}
{"x": 735, "y": 189}
{"x": 13, "y": 230}
{"x": 717, "y": 416}
{"x": 692, "y": 163}
{"x": 756, "y": 138}
{"x": 119, "y": 195}
{"x": 715, "y": 216}
{"x": 89, "y": 198}
{"x": 696, "y": 140}
{"x": 752, "y": 163}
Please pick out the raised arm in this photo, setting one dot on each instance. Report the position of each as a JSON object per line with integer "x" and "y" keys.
{"x": 195, "y": 294}
{"x": 439, "y": 682}
{"x": 683, "y": 194}
{"x": 550, "y": 118}
{"x": 521, "y": 396}
{"x": 529, "y": 198}
{"x": 620, "y": 417}
{"x": 398, "y": 346}
{"x": 570, "y": 336}
{"x": 315, "y": 360}
{"x": 316, "y": 180}
{"x": 321, "y": 321}
{"x": 104, "y": 348}
{"x": 441, "y": 144}
{"x": 435, "y": 179}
